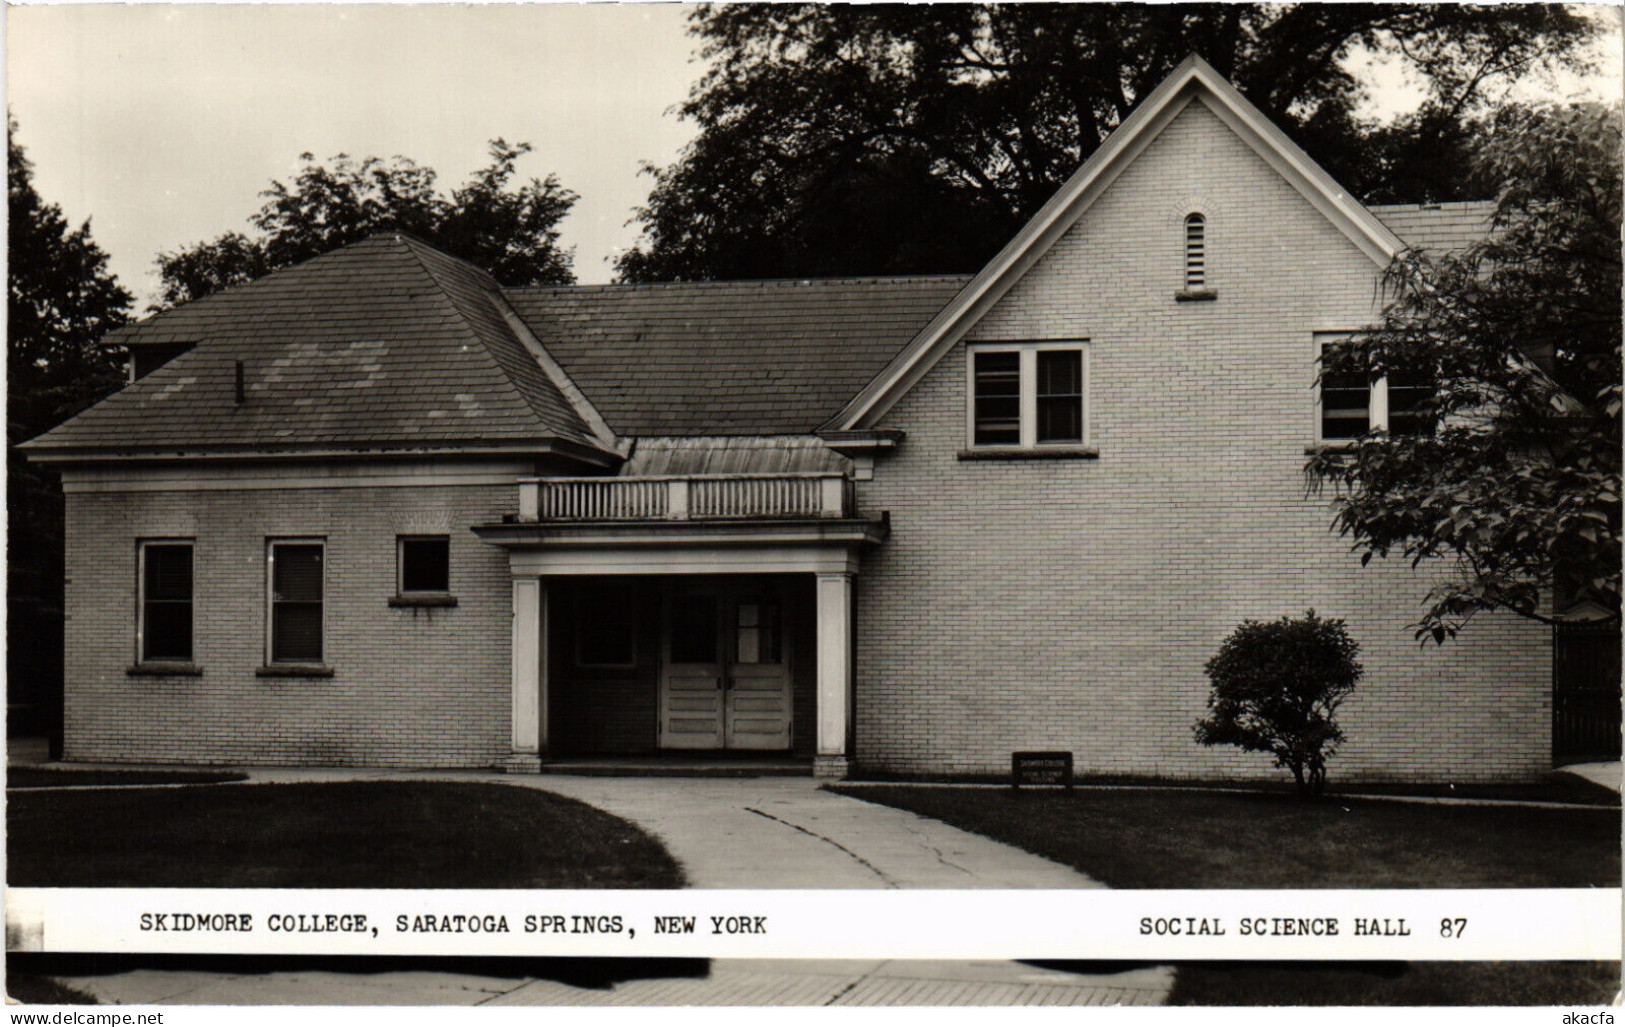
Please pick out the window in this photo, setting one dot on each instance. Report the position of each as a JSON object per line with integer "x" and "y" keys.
{"x": 694, "y": 623}
{"x": 606, "y": 616}
{"x": 297, "y": 580}
{"x": 424, "y": 564}
{"x": 758, "y": 635}
{"x": 1353, "y": 404}
{"x": 1409, "y": 393}
{"x": 1028, "y": 395}
{"x": 1195, "y": 251}
{"x": 165, "y": 631}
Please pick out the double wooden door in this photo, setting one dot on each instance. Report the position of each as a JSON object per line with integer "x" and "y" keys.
{"x": 725, "y": 676}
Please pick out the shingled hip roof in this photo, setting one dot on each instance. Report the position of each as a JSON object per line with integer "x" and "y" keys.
{"x": 383, "y": 344}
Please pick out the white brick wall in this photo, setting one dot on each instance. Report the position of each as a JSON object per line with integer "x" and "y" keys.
{"x": 424, "y": 687}
{"x": 1071, "y": 604}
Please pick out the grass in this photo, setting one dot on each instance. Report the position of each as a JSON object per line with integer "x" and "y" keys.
{"x": 353, "y": 834}
{"x": 42, "y": 777}
{"x": 1564, "y": 788}
{"x": 1192, "y": 839}
{"x": 1395, "y": 984}
{"x": 34, "y": 990}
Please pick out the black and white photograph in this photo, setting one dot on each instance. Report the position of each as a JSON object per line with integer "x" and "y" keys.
{"x": 813, "y": 505}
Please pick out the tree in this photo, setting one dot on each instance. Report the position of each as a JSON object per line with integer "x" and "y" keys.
{"x": 1276, "y": 689}
{"x": 875, "y": 139}
{"x": 60, "y": 300}
{"x": 1515, "y": 489}
{"x": 511, "y": 232}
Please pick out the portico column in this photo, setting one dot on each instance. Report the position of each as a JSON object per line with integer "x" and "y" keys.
{"x": 834, "y": 673}
{"x": 529, "y": 675}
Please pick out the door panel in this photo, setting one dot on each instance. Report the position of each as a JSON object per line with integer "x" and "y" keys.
{"x": 725, "y": 682}
{"x": 756, "y": 713}
{"x": 691, "y": 680}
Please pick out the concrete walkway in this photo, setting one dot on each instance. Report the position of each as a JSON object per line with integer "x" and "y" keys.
{"x": 786, "y": 832}
{"x": 1606, "y": 774}
{"x": 723, "y": 982}
{"x": 772, "y": 832}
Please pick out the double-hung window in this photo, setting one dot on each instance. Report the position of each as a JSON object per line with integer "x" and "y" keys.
{"x": 1353, "y": 403}
{"x": 164, "y": 633}
{"x": 1028, "y": 395}
{"x": 297, "y": 581}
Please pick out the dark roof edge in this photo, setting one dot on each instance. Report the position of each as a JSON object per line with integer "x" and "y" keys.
{"x": 743, "y": 283}
{"x": 70, "y": 454}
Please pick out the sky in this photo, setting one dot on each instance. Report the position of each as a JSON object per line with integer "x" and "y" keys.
{"x": 163, "y": 123}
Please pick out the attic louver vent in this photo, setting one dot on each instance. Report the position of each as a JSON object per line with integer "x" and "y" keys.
{"x": 1195, "y": 251}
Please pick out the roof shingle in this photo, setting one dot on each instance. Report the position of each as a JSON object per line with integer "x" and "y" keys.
{"x": 1439, "y": 227}
{"x": 386, "y": 342}
{"x": 728, "y": 358}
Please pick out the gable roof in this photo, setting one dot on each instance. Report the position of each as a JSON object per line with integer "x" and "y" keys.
{"x": 1193, "y": 78}
{"x": 386, "y": 344}
{"x": 729, "y": 358}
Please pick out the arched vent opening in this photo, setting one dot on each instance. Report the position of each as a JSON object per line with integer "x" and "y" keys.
{"x": 1195, "y": 251}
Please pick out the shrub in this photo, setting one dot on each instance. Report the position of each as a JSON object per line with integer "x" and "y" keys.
{"x": 1276, "y": 689}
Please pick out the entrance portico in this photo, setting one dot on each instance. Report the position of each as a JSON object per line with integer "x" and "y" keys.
{"x": 724, "y": 587}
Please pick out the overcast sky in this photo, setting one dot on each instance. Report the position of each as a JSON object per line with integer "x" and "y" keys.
{"x": 163, "y": 123}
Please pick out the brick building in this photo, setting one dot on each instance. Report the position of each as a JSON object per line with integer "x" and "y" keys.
{"x": 375, "y": 509}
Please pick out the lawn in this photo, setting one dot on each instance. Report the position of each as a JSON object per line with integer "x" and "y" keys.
{"x": 43, "y": 777}
{"x": 1153, "y": 838}
{"x": 1395, "y": 984}
{"x": 353, "y": 834}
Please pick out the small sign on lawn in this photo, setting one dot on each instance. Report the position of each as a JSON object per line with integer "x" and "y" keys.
{"x": 1041, "y": 768}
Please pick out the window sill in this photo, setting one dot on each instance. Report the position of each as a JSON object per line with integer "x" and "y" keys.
{"x": 294, "y": 670}
{"x": 157, "y": 669}
{"x": 1196, "y": 296}
{"x": 1035, "y": 453}
{"x": 424, "y": 599}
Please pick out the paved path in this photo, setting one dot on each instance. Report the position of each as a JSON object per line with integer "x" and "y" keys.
{"x": 786, "y": 832}
{"x": 1605, "y": 774}
{"x": 724, "y": 982}
{"x": 773, "y": 832}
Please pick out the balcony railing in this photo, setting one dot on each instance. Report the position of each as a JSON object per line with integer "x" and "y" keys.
{"x": 686, "y": 498}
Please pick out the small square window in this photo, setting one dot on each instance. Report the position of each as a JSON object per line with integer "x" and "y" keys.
{"x": 425, "y": 565}
{"x": 165, "y": 630}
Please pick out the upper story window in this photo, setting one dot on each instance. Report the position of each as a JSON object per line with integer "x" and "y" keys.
{"x": 1028, "y": 395}
{"x": 296, "y": 582}
{"x": 1195, "y": 252}
{"x": 1352, "y": 404}
{"x": 164, "y": 631}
